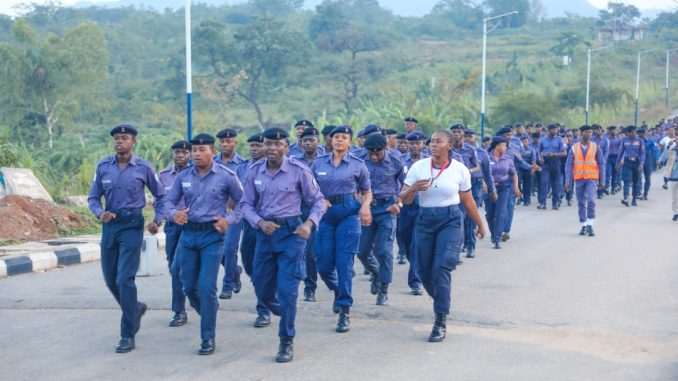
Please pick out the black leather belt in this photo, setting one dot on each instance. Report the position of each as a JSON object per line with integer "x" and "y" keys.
{"x": 284, "y": 221}
{"x": 382, "y": 201}
{"x": 120, "y": 213}
{"x": 340, "y": 198}
{"x": 199, "y": 226}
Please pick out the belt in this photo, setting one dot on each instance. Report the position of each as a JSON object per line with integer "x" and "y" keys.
{"x": 119, "y": 213}
{"x": 439, "y": 210}
{"x": 338, "y": 199}
{"x": 284, "y": 221}
{"x": 382, "y": 201}
{"x": 199, "y": 226}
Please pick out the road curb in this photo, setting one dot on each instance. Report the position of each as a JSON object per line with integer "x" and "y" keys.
{"x": 46, "y": 260}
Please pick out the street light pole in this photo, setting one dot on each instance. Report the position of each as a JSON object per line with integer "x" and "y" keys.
{"x": 666, "y": 89}
{"x": 484, "y": 70}
{"x": 635, "y": 114}
{"x": 189, "y": 85}
{"x": 588, "y": 79}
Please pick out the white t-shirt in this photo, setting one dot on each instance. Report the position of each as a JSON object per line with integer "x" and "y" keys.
{"x": 665, "y": 140}
{"x": 444, "y": 190}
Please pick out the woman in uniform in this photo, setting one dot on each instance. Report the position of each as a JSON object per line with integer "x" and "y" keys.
{"x": 505, "y": 177}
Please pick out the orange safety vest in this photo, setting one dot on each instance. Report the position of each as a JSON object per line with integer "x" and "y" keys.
{"x": 585, "y": 168}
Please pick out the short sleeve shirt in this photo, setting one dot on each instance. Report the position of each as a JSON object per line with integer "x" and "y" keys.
{"x": 444, "y": 190}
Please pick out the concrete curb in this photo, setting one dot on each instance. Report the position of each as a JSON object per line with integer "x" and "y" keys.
{"x": 46, "y": 260}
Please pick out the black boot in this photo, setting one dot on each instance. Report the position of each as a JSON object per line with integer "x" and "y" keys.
{"x": 335, "y": 307}
{"x": 374, "y": 283}
{"x": 584, "y": 230}
{"x": 382, "y": 296}
{"x": 590, "y": 231}
{"x": 344, "y": 321}
{"x": 179, "y": 319}
{"x": 285, "y": 351}
{"x": 125, "y": 345}
{"x": 439, "y": 329}
{"x": 206, "y": 347}
{"x": 634, "y": 202}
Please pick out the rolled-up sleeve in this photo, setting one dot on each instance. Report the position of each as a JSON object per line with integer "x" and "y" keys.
{"x": 310, "y": 192}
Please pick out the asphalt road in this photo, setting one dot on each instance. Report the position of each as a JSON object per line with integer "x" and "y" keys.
{"x": 550, "y": 305}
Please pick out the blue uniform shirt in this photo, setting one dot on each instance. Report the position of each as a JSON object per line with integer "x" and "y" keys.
{"x": 651, "y": 151}
{"x": 296, "y": 150}
{"x": 603, "y": 144}
{"x": 280, "y": 194}
{"x": 302, "y": 159}
{"x": 386, "y": 177}
{"x": 502, "y": 169}
{"x": 527, "y": 153}
{"x": 166, "y": 178}
{"x": 514, "y": 153}
{"x": 207, "y": 196}
{"x": 615, "y": 145}
{"x": 349, "y": 177}
{"x": 125, "y": 189}
{"x": 468, "y": 155}
{"x": 485, "y": 171}
{"x": 551, "y": 145}
{"x": 233, "y": 163}
{"x": 632, "y": 149}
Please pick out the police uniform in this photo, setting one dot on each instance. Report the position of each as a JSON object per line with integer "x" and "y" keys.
{"x": 585, "y": 167}
{"x": 612, "y": 175}
{"x": 296, "y": 149}
{"x": 550, "y": 178}
{"x": 231, "y": 282}
{"x": 503, "y": 170}
{"x": 632, "y": 155}
{"x": 477, "y": 178}
{"x": 172, "y": 235}
{"x": 122, "y": 237}
{"x": 249, "y": 240}
{"x": 311, "y": 280}
{"x": 386, "y": 177}
{"x": 338, "y": 235}
{"x": 651, "y": 158}
{"x": 513, "y": 152}
{"x": 470, "y": 160}
{"x": 200, "y": 248}
{"x": 604, "y": 145}
{"x": 525, "y": 176}
{"x": 279, "y": 263}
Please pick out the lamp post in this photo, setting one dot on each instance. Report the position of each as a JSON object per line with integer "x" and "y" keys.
{"x": 588, "y": 78}
{"x": 635, "y": 114}
{"x": 189, "y": 85}
{"x": 666, "y": 89}
{"x": 482, "y": 91}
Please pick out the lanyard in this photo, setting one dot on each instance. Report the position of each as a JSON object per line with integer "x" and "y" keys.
{"x": 442, "y": 169}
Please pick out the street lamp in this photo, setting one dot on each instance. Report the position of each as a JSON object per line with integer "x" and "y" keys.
{"x": 588, "y": 78}
{"x": 189, "y": 86}
{"x": 668, "y": 57}
{"x": 482, "y": 94}
{"x": 635, "y": 115}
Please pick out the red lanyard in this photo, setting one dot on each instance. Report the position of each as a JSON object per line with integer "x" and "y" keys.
{"x": 447, "y": 161}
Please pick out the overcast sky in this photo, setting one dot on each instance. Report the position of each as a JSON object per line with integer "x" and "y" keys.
{"x": 6, "y": 5}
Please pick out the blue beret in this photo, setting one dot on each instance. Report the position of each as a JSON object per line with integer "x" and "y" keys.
{"x": 630, "y": 128}
{"x": 551, "y": 126}
{"x": 503, "y": 130}
{"x": 401, "y": 136}
{"x": 371, "y": 129}
{"x": 416, "y": 135}
{"x": 304, "y": 123}
{"x": 585, "y": 127}
{"x": 376, "y": 142}
{"x": 342, "y": 130}
{"x": 391, "y": 131}
{"x": 428, "y": 141}
{"x": 181, "y": 144}
{"x": 457, "y": 126}
{"x": 256, "y": 138}
{"x": 275, "y": 133}
{"x": 469, "y": 131}
{"x": 496, "y": 140}
{"x": 328, "y": 129}
{"x": 227, "y": 133}
{"x": 202, "y": 140}
{"x": 361, "y": 133}
{"x": 597, "y": 127}
{"x": 610, "y": 128}
{"x": 311, "y": 131}
{"x": 411, "y": 119}
{"x": 642, "y": 130}
{"x": 124, "y": 129}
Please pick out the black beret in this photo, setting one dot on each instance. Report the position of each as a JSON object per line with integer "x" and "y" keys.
{"x": 411, "y": 119}
{"x": 256, "y": 138}
{"x": 391, "y": 131}
{"x": 371, "y": 129}
{"x": 202, "y": 140}
{"x": 181, "y": 144}
{"x": 536, "y": 135}
{"x": 552, "y": 126}
{"x": 428, "y": 141}
{"x": 518, "y": 125}
{"x": 504, "y": 130}
{"x": 361, "y": 133}
{"x": 416, "y": 135}
{"x": 311, "y": 131}
{"x": 487, "y": 139}
{"x": 457, "y": 127}
{"x": 585, "y": 127}
{"x": 304, "y": 123}
{"x": 496, "y": 140}
{"x": 124, "y": 129}
{"x": 630, "y": 129}
{"x": 375, "y": 142}
{"x": 401, "y": 136}
{"x": 345, "y": 129}
{"x": 328, "y": 129}
{"x": 227, "y": 133}
{"x": 642, "y": 130}
{"x": 469, "y": 131}
{"x": 609, "y": 128}
{"x": 275, "y": 133}
{"x": 597, "y": 127}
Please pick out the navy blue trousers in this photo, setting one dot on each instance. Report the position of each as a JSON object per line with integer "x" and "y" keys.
{"x": 648, "y": 168}
{"x": 247, "y": 247}
{"x": 121, "y": 242}
{"x": 525, "y": 181}
{"x": 495, "y": 211}
{"x": 311, "y": 281}
{"x": 279, "y": 267}
{"x": 550, "y": 179}
{"x": 611, "y": 172}
{"x": 172, "y": 235}
{"x": 378, "y": 239}
{"x": 230, "y": 258}
{"x": 469, "y": 225}
{"x": 199, "y": 255}
{"x": 336, "y": 245}
{"x": 632, "y": 178}
{"x": 408, "y": 216}
{"x": 439, "y": 233}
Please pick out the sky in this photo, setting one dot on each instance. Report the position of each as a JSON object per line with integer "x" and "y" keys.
{"x": 6, "y": 5}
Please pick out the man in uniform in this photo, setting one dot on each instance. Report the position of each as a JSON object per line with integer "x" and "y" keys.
{"x": 513, "y": 152}
{"x": 612, "y": 179}
{"x": 551, "y": 149}
{"x": 470, "y": 160}
{"x": 392, "y": 139}
{"x": 274, "y": 191}
{"x": 121, "y": 180}
{"x": 386, "y": 175}
{"x": 299, "y": 128}
{"x": 529, "y": 154}
{"x": 403, "y": 147}
{"x": 410, "y": 125}
{"x": 586, "y": 166}
{"x": 651, "y": 161}
{"x": 481, "y": 182}
{"x": 632, "y": 157}
{"x": 181, "y": 154}
{"x": 604, "y": 145}
{"x": 228, "y": 139}
{"x": 327, "y": 130}
{"x": 206, "y": 188}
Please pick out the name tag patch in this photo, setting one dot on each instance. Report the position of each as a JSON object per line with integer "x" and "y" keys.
{"x": 186, "y": 184}
{"x": 322, "y": 173}
{"x": 258, "y": 182}
{"x": 105, "y": 181}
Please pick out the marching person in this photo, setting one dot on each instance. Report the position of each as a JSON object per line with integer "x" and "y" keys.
{"x": 181, "y": 154}
{"x": 274, "y": 191}
{"x": 340, "y": 176}
{"x": 525, "y": 176}
{"x": 612, "y": 180}
{"x": 121, "y": 180}
{"x": 296, "y": 148}
{"x": 631, "y": 158}
{"x": 442, "y": 184}
{"x": 386, "y": 175}
{"x": 481, "y": 182}
{"x": 206, "y": 189}
{"x": 470, "y": 160}
{"x": 586, "y": 167}
{"x": 551, "y": 149}
{"x": 604, "y": 145}
{"x": 651, "y": 162}
{"x": 505, "y": 179}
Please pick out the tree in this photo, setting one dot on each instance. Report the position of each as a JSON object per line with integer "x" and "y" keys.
{"x": 567, "y": 44}
{"x": 53, "y": 73}
{"x": 251, "y": 61}
{"x": 618, "y": 15}
{"x": 519, "y": 106}
{"x": 467, "y": 14}
{"x": 497, "y": 7}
